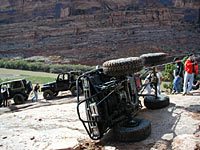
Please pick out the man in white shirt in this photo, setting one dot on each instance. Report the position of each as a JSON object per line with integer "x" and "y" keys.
{"x": 147, "y": 81}
{"x": 5, "y": 95}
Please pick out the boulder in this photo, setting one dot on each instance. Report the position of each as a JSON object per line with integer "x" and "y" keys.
{"x": 185, "y": 142}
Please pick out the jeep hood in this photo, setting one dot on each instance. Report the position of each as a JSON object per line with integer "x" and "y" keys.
{"x": 50, "y": 83}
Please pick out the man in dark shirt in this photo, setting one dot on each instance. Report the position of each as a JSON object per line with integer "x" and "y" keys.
{"x": 178, "y": 73}
{"x": 35, "y": 90}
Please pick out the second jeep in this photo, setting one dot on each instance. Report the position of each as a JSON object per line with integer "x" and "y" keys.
{"x": 64, "y": 82}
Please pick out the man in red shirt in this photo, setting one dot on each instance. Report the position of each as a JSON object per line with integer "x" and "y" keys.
{"x": 191, "y": 68}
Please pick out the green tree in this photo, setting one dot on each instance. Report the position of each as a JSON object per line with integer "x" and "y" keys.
{"x": 169, "y": 76}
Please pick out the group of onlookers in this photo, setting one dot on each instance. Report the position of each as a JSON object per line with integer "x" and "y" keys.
{"x": 5, "y": 94}
{"x": 190, "y": 67}
{"x": 191, "y": 70}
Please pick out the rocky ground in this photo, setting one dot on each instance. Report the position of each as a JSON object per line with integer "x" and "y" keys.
{"x": 54, "y": 124}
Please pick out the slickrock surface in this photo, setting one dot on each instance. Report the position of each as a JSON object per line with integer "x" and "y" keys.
{"x": 55, "y": 125}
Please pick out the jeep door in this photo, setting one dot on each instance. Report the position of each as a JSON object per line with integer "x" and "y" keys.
{"x": 63, "y": 82}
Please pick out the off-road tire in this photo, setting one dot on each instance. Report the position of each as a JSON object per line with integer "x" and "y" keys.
{"x": 55, "y": 94}
{"x": 26, "y": 98}
{"x": 122, "y": 66}
{"x": 124, "y": 133}
{"x": 48, "y": 95}
{"x": 19, "y": 99}
{"x": 153, "y": 59}
{"x": 74, "y": 91}
{"x": 151, "y": 102}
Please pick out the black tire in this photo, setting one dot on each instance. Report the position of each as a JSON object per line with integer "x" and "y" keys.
{"x": 122, "y": 66}
{"x": 26, "y": 98}
{"x": 153, "y": 59}
{"x": 55, "y": 94}
{"x": 156, "y": 103}
{"x": 48, "y": 94}
{"x": 74, "y": 91}
{"x": 126, "y": 132}
{"x": 19, "y": 99}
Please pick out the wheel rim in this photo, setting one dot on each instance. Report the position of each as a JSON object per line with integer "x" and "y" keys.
{"x": 131, "y": 123}
{"x": 47, "y": 96}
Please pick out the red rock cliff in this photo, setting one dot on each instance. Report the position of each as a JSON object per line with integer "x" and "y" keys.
{"x": 92, "y": 31}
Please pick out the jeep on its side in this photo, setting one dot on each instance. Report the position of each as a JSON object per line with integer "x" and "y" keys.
{"x": 64, "y": 82}
{"x": 19, "y": 90}
{"x": 112, "y": 101}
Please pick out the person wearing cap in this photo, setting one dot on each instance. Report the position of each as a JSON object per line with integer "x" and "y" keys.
{"x": 191, "y": 68}
{"x": 178, "y": 76}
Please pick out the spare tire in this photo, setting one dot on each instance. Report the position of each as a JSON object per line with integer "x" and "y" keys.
{"x": 151, "y": 102}
{"x": 153, "y": 59}
{"x": 132, "y": 132}
{"x": 122, "y": 66}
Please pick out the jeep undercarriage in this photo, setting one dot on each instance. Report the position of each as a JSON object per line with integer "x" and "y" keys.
{"x": 111, "y": 99}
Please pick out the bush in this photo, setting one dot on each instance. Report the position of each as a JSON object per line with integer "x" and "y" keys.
{"x": 169, "y": 76}
{"x": 39, "y": 66}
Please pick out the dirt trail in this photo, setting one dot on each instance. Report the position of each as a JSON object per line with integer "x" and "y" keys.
{"x": 39, "y": 125}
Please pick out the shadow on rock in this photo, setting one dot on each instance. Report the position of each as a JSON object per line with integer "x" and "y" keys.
{"x": 163, "y": 121}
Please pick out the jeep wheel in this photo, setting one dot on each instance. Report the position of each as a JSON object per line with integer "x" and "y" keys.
{"x": 156, "y": 103}
{"x": 48, "y": 94}
{"x": 74, "y": 91}
{"x": 19, "y": 99}
{"x": 153, "y": 59}
{"x": 55, "y": 94}
{"x": 133, "y": 130}
{"x": 26, "y": 98}
{"x": 122, "y": 66}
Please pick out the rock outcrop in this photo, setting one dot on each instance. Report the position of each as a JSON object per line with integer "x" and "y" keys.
{"x": 93, "y": 31}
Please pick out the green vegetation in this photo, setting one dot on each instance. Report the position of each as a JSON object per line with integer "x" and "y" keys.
{"x": 34, "y": 77}
{"x": 39, "y": 66}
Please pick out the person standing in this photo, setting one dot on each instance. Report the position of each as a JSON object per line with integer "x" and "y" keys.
{"x": 191, "y": 68}
{"x": 160, "y": 77}
{"x": 5, "y": 95}
{"x": 178, "y": 73}
{"x": 35, "y": 90}
{"x": 148, "y": 81}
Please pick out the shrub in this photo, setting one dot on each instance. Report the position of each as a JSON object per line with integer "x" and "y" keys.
{"x": 39, "y": 66}
{"x": 169, "y": 75}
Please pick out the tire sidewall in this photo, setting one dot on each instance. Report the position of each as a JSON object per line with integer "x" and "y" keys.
{"x": 74, "y": 91}
{"x": 156, "y": 103}
{"x": 46, "y": 93}
{"x": 19, "y": 99}
{"x": 133, "y": 134}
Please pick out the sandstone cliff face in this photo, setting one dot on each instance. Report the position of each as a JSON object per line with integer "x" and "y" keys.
{"x": 92, "y": 31}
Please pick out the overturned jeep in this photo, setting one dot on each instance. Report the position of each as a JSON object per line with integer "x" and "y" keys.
{"x": 64, "y": 82}
{"x": 111, "y": 98}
